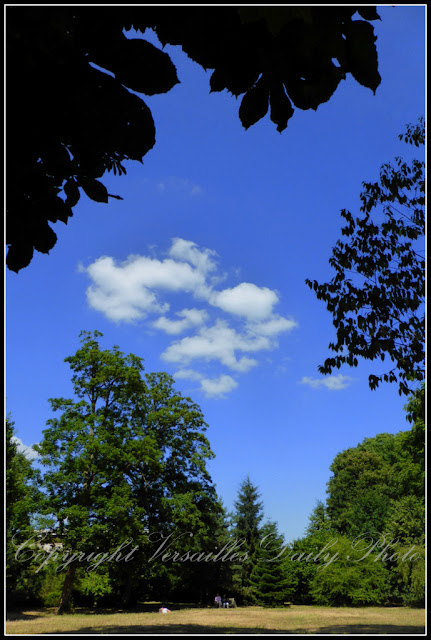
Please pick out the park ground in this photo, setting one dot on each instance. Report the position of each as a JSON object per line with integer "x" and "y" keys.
{"x": 248, "y": 620}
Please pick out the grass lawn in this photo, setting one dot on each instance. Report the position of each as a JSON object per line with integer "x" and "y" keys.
{"x": 247, "y": 620}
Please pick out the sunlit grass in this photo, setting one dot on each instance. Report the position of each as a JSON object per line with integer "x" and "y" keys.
{"x": 296, "y": 619}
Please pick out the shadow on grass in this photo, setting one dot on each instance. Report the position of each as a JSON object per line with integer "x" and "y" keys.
{"x": 197, "y": 629}
{"x": 12, "y": 616}
{"x": 142, "y": 607}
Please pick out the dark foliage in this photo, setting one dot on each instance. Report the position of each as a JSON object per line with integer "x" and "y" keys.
{"x": 378, "y": 292}
{"x": 68, "y": 122}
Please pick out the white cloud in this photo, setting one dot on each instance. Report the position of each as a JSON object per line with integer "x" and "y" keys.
{"x": 125, "y": 291}
{"x": 189, "y": 318}
{"x": 212, "y": 387}
{"x": 333, "y": 383}
{"x": 218, "y": 386}
{"x": 219, "y": 342}
{"x": 143, "y": 286}
{"x": 247, "y": 300}
{"x": 29, "y": 452}
{"x": 188, "y": 374}
{"x": 189, "y": 252}
{"x": 272, "y": 327}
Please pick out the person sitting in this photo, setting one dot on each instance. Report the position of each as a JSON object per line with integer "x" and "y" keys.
{"x": 164, "y": 610}
{"x": 217, "y": 601}
{"x": 225, "y": 602}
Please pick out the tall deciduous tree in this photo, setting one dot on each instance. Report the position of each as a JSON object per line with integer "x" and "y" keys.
{"x": 274, "y": 57}
{"x": 121, "y": 459}
{"x": 377, "y": 294}
{"x": 379, "y": 485}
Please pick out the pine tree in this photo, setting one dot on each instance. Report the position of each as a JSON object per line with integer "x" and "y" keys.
{"x": 269, "y": 582}
{"x": 247, "y": 535}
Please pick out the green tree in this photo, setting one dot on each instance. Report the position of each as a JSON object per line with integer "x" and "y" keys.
{"x": 120, "y": 460}
{"x": 270, "y": 585}
{"x": 359, "y": 491}
{"x": 409, "y": 572}
{"x": 301, "y": 563}
{"x": 247, "y": 533}
{"x": 23, "y": 502}
{"x": 406, "y": 520}
{"x": 275, "y": 58}
{"x": 319, "y": 519}
{"x": 415, "y": 438}
{"x": 376, "y": 297}
{"x": 379, "y": 485}
{"x": 353, "y": 578}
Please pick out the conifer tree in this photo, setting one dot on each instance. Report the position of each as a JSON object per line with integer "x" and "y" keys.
{"x": 247, "y": 534}
{"x": 269, "y": 581}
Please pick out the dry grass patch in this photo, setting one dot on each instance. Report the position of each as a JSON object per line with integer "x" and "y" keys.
{"x": 248, "y": 620}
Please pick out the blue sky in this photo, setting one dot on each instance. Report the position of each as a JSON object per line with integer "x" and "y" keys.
{"x": 200, "y": 270}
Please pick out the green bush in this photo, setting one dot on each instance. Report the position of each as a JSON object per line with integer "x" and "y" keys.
{"x": 353, "y": 578}
{"x": 410, "y": 572}
{"x": 52, "y": 586}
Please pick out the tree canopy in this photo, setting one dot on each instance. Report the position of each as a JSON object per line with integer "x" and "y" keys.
{"x": 84, "y": 121}
{"x": 372, "y": 525}
{"x": 377, "y": 294}
{"x": 379, "y": 485}
{"x": 23, "y": 501}
{"x": 126, "y": 457}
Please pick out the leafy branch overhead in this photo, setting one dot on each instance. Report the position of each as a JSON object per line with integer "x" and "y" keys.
{"x": 83, "y": 121}
{"x": 378, "y": 312}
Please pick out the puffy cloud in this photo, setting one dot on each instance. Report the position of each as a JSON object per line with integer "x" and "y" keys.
{"x": 218, "y": 386}
{"x": 212, "y": 387}
{"x": 189, "y": 252}
{"x": 140, "y": 286}
{"x": 272, "y": 327}
{"x": 29, "y": 452}
{"x": 333, "y": 383}
{"x": 219, "y": 342}
{"x": 125, "y": 291}
{"x": 189, "y": 318}
{"x": 247, "y": 300}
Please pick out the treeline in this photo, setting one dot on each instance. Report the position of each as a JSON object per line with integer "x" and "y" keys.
{"x": 372, "y": 526}
{"x": 125, "y": 509}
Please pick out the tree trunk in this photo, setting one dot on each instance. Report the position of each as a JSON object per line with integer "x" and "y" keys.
{"x": 65, "y": 602}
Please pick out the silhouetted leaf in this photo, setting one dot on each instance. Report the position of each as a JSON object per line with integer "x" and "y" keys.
{"x": 368, "y": 13}
{"x": 141, "y": 66}
{"x": 218, "y": 80}
{"x": 72, "y": 192}
{"x": 309, "y": 93}
{"x": 19, "y": 255}
{"x": 44, "y": 238}
{"x": 94, "y": 189}
{"x": 254, "y": 104}
{"x": 281, "y": 107}
{"x": 361, "y": 53}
